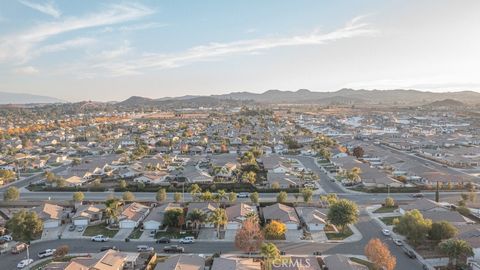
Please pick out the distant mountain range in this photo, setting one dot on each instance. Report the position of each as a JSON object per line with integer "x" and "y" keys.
{"x": 20, "y": 98}
{"x": 304, "y": 96}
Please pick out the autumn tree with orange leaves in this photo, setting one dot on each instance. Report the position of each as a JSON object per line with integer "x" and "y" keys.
{"x": 379, "y": 254}
{"x": 250, "y": 237}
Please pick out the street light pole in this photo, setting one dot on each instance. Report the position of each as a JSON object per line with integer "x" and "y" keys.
{"x": 28, "y": 257}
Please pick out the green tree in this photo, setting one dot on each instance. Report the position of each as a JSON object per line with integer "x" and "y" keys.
{"x": 219, "y": 218}
{"x": 343, "y": 213}
{"x": 195, "y": 191}
{"x": 128, "y": 196}
{"x": 442, "y": 230}
{"x": 172, "y": 217}
{"x": 221, "y": 195}
{"x": 113, "y": 209}
{"x": 413, "y": 226}
{"x": 197, "y": 217}
{"x": 275, "y": 185}
{"x": 269, "y": 251}
{"x": 122, "y": 184}
{"x": 161, "y": 195}
{"x": 78, "y": 196}
{"x": 140, "y": 185}
{"x": 177, "y": 197}
{"x": 11, "y": 194}
{"x": 307, "y": 195}
{"x": 207, "y": 196}
{"x": 25, "y": 225}
{"x": 249, "y": 177}
{"x": 282, "y": 197}
{"x": 456, "y": 250}
{"x": 358, "y": 152}
{"x": 389, "y": 202}
{"x": 232, "y": 197}
{"x": 254, "y": 197}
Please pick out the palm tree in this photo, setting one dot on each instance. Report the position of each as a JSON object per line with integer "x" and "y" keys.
{"x": 195, "y": 190}
{"x": 113, "y": 209}
{"x": 219, "y": 218}
{"x": 455, "y": 249}
{"x": 269, "y": 251}
{"x": 221, "y": 195}
{"x": 197, "y": 217}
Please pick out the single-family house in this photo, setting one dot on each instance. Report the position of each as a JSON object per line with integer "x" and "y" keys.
{"x": 51, "y": 214}
{"x": 237, "y": 214}
{"x": 85, "y": 214}
{"x": 282, "y": 213}
{"x": 235, "y": 263}
{"x": 312, "y": 217}
{"x": 184, "y": 262}
{"x": 154, "y": 220}
{"x": 132, "y": 215}
{"x": 342, "y": 262}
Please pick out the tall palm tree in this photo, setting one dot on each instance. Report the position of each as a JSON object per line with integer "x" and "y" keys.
{"x": 197, "y": 217}
{"x": 219, "y": 218}
{"x": 221, "y": 195}
{"x": 455, "y": 249}
{"x": 113, "y": 209}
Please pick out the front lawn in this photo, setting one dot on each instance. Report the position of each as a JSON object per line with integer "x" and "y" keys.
{"x": 347, "y": 232}
{"x": 386, "y": 209}
{"x": 388, "y": 220}
{"x": 363, "y": 262}
{"x": 99, "y": 229}
{"x": 135, "y": 233}
{"x": 175, "y": 234}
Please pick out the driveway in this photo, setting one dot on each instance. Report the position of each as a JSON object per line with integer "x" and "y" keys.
{"x": 146, "y": 235}
{"x": 72, "y": 234}
{"x": 207, "y": 234}
{"x": 122, "y": 234}
{"x": 293, "y": 235}
{"x": 230, "y": 235}
{"x": 52, "y": 233}
{"x": 319, "y": 236}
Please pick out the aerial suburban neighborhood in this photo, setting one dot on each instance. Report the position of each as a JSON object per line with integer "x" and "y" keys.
{"x": 239, "y": 135}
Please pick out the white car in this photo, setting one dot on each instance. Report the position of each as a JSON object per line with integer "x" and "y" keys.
{"x": 6, "y": 238}
{"x": 386, "y": 232}
{"x": 309, "y": 185}
{"x": 187, "y": 240}
{"x": 24, "y": 263}
{"x": 398, "y": 242}
{"x": 46, "y": 253}
{"x": 99, "y": 238}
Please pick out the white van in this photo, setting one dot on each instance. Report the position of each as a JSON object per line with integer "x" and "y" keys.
{"x": 187, "y": 240}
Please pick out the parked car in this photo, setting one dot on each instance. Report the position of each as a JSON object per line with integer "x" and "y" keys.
{"x": 99, "y": 238}
{"x": 109, "y": 247}
{"x": 19, "y": 247}
{"x": 163, "y": 240}
{"x": 153, "y": 233}
{"x": 173, "y": 249}
{"x": 243, "y": 195}
{"x": 80, "y": 228}
{"x": 71, "y": 228}
{"x": 46, "y": 253}
{"x": 386, "y": 232}
{"x": 187, "y": 240}
{"x": 410, "y": 253}
{"x": 398, "y": 242}
{"x": 24, "y": 263}
{"x": 143, "y": 248}
{"x": 6, "y": 238}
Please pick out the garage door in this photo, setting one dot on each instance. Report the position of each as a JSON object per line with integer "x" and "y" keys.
{"x": 233, "y": 226}
{"x": 151, "y": 225}
{"x": 51, "y": 224}
{"x": 127, "y": 224}
{"x": 80, "y": 222}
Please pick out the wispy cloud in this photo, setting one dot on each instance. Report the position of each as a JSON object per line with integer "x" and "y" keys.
{"x": 46, "y": 8}
{"x": 354, "y": 28}
{"x": 27, "y": 70}
{"x": 20, "y": 46}
{"x": 62, "y": 46}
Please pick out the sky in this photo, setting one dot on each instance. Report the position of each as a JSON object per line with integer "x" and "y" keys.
{"x": 111, "y": 50}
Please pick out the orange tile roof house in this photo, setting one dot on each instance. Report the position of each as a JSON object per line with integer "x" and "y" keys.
{"x": 132, "y": 215}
